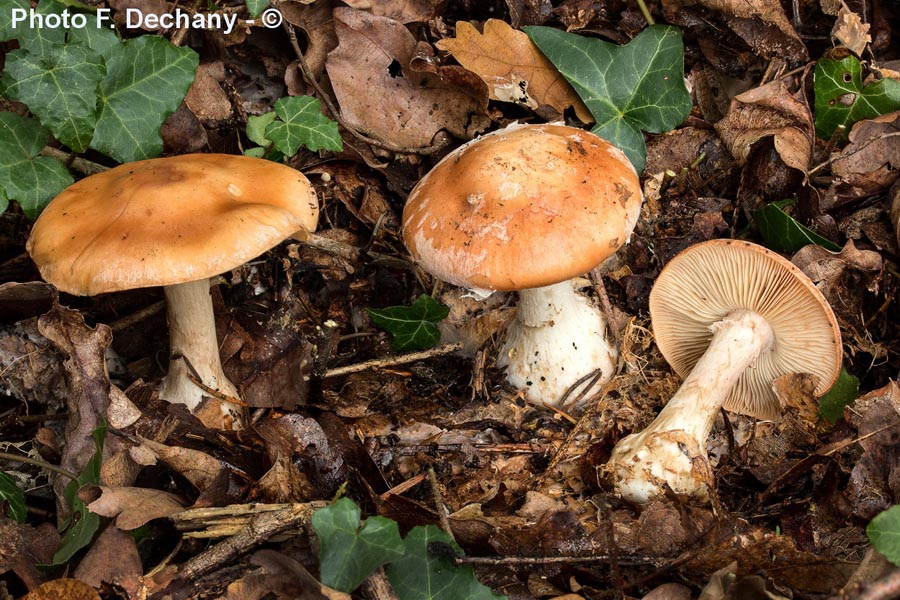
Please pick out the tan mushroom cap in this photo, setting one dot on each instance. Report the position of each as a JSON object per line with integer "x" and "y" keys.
{"x": 168, "y": 220}
{"x": 705, "y": 282}
{"x": 523, "y": 207}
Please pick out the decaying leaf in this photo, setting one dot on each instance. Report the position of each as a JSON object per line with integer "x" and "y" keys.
{"x": 512, "y": 67}
{"x": 199, "y": 468}
{"x": 112, "y": 558}
{"x": 133, "y": 506}
{"x": 770, "y": 110}
{"x": 381, "y": 93}
{"x": 279, "y": 576}
{"x": 870, "y": 163}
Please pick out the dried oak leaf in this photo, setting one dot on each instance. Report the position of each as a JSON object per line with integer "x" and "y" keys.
{"x": 512, "y": 67}
{"x": 770, "y": 110}
{"x": 134, "y": 506}
{"x": 383, "y": 96}
{"x": 199, "y": 468}
{"x": 112, "y": 558}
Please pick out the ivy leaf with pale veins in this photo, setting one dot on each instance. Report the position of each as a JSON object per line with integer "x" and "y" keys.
{"x": 146, "y": 79}
{"x": 884, "y": 533}
{"x": 300, "y": 122}
{"x": 6, "y": 14}
{"x": 426, "y": 573}
{"x": 25, "y": 177}
{"x": 349, "y": 552}
{"x": 629, "y": 89}
{"x": 255, "y": 7}
{"x": 413, "y": 327}
{"x": 841, "y": 98}
{"x": 59, "y": 87}
{"x": 37, "y": 40}
{"x": 13, "y": 496}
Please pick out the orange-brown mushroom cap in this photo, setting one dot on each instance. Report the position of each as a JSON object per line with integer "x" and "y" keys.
{"x": 523, "y": 207}
{"x": 707, "y": 281}
{"x": 168, "y": 220}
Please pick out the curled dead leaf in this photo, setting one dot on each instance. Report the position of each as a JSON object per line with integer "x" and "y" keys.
{"x": 133, "y": 506}
{"x": 770, "y": 110}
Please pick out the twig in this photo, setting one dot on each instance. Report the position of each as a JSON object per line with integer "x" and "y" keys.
{"x": 37, "y": 463}
{"x": 551, "y": 560}
{"x": 391, "y": 361}
{"x": 439, "y": 503}
{"x": 258, "y": 530}
{"x": 137, "y": 316}
{"x": 81, "y": 165}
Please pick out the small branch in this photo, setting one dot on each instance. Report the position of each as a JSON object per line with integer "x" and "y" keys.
{"x": 259, "y": 529}
{"x": 392, "y": 361}
{"x": 81, "y": 165}
{"x": 38, "y": 463}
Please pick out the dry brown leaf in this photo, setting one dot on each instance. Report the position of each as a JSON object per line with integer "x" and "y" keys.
{"x": 383, "y": 96}
{"x": 669, "y": 591}
{"x": 205, "y": 97}
{"x": 63, "y": 589}
{"x": 112, "y": 558}
{"x": 850, "y": 31}
{"x": 763, "y": 25}
{"x": 512, "y": 67}
{"x": 770, "y": 110}
{"x": 134, "y": 506}
{"x": 870, "y": 163}
{"x": 199, "y": 468}
{"x": 88, "y": 384}
{"x": 279, "y": 576}
{"x": 405, "y": 11}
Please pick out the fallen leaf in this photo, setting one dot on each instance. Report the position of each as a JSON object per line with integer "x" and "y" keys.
{"x": 59, "y": 589}
{"x": 669, "y": 591}
{"x": 197, "y": 467}
{"x": 31, "y": 369}
{"x": 762, "y": 24}
{"x": 850, "y": 31}
{"x": 206, "y": 98}
{"x": 405, "y": 11}
{"x": 133, "y": 506}
{"x": 770, "y": 110}
{"x": 512, "y": 67}
{"x": 23, "y": 547}
{"x": 279, "y": 576}
{"x": 870, "y": 163}
{"x": 88, "y": 385}
{"x": 381, "y": 95}
{"x": 112, "y": 558}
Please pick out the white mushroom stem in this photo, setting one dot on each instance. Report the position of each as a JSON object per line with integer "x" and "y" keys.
{"x": 557, "y": 337}
{"x": 672, "y": 450}
{"x": 192, "y": 334}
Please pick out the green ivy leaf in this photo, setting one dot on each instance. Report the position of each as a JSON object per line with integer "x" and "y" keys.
{"x": 29, "y": 179}
{"x": 423, "y": 574}
{"x": 4, "y": 201}
{"x": 413, "y": 327}
{"x": 841, "y": 98}
{"x": 101, "y": 40}
{"x": 146, "y": 79}
{"x": 844, "y": 391}
{"x": 631, "y": 88}
{"x": 884, "y": 533}
{"x": 14, "y": 497}
{"x": 256, "y": 128}
{"x": 301, "y": 123}
{"x": 255, "y": 7}
{"x": 37, "y": 40}
{"x": 783, "y": 233}
{"x": 80, "y": 532}
{"x": 349, "y": 553}
{"x": 60, "y": 88}
{"x": 6, "y": 14}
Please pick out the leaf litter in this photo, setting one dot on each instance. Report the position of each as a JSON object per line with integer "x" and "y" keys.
{"x": 443, "y": 440}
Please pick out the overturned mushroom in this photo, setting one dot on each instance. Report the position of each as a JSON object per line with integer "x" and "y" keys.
{"x": 730, "y": 317}
{"x": 528, "y": 208}
{"x": 173, "y": 222}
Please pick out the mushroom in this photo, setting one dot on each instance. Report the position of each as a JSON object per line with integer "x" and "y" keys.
{"x": 173, "y": 222}
{"x": 528, "y": 208}
{"x": 730, "y": 317}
